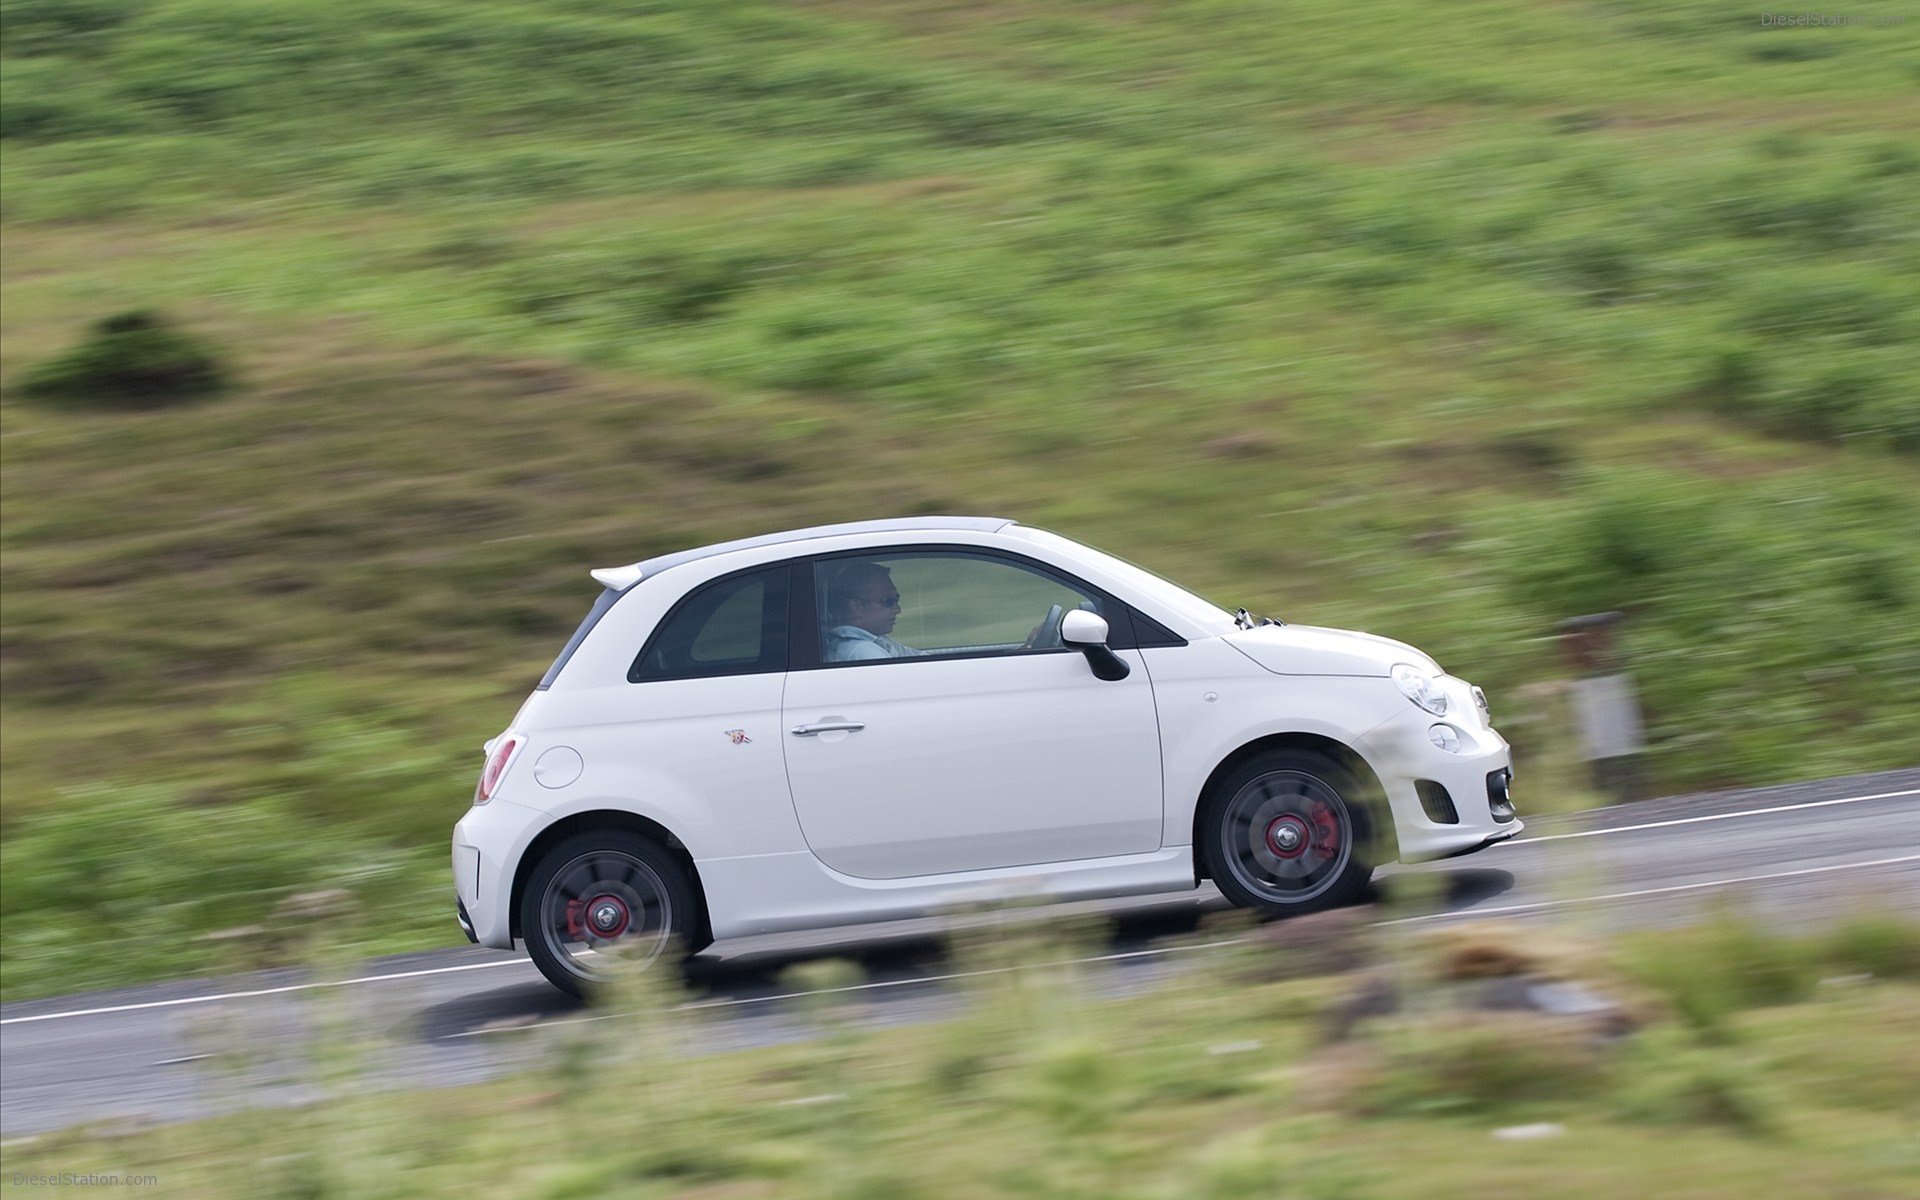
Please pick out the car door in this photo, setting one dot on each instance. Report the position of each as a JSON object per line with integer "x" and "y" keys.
{"x": 932, "y": 725}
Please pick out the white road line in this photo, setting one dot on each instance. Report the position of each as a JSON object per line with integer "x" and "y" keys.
{"x": 521, "y": 962}
{"x": 729, "y": 1002}
{"x": 1659, "y": 891}
{"x": 1707, "y": 797}
{"x": 275, "y": 991}
{"x": 1751, "y": 812}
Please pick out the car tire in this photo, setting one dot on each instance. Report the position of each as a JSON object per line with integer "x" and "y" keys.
{"x": 1288, "y": 831}
{"x": 606, "y": 901}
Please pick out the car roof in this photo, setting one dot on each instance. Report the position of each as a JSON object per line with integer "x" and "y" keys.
{"x": 622, "y": 578}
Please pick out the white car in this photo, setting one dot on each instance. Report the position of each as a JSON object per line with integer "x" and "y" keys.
{"x": 878, "y": 720}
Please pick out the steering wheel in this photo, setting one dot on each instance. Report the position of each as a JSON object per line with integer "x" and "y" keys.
{"x": 1046, "y": 636}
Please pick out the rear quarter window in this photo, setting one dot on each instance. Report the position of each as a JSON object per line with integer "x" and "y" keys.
{"x": 736, "y": 625}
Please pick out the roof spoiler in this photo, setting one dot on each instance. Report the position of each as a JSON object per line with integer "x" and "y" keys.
{"x": 618, "y": 578}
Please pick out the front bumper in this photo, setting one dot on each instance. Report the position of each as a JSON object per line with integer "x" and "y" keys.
{"x": 1444, "y": 804}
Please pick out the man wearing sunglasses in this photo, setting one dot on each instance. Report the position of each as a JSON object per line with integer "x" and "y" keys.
{"x": 863, "y": 602}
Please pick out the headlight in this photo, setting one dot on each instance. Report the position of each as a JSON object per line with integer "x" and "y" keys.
{"x": 1421, "y": 688}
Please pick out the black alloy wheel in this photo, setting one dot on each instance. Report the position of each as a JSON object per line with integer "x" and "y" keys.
{"x": 1287, "y": 832}
{"x": 601, "y": 903}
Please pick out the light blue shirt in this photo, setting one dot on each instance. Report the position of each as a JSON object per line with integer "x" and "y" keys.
{"x": 850, "y": 643}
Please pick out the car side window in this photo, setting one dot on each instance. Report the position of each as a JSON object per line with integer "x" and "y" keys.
{"x": 926, "y": 603}
{"x": 731, "y": 626}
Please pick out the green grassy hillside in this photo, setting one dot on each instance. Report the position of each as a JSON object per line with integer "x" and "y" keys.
{"x": 1447, "y": 327}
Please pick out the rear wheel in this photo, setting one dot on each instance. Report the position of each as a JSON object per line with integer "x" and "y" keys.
{"x": 603, "y": 902}
{"x": 1288, "y": 832}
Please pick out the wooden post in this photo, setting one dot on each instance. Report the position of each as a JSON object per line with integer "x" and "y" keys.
{"x": 1605, "y": 709}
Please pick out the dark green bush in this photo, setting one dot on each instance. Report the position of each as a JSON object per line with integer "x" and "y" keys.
{"x": 1601, "y": 272}
{"x": 40, "y": 99}
{"x": 135, "y": 360}
{"x": 1729, "y": 964}
{"x": 1665, "y": 1081}
{"x": 1791, "y": 392}
{"x": 1619, "y": 542}
{"x": 1481, "y": 1065}
{"x": 60, "y": 27}
{"x": 627, "y": 290}
{"x": 1885, "y": 946}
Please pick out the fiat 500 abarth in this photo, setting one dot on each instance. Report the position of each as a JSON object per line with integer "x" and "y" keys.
{"x": 878, "y": 720}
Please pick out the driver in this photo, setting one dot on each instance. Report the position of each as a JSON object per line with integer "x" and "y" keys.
{"x": 865, "y": 605}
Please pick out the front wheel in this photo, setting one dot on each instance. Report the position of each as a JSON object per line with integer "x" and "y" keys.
{"x": 601, "y": 902}
{"x": 1287, "y": 833}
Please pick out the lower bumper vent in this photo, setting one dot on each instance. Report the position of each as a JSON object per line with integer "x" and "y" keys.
{"x": 1437, "y": 802}
{"x": 1499, "y": 802}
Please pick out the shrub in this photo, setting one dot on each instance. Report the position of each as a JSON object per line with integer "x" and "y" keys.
{"x": 1666, "y": 1082}
{"x": 1723, "y": 966}
{"x": 1481, "y": 1065}
{"x": 135, "y": 360}
{"x": 1882, "y": 945}
{"x": 1601, "y": 272}
{"x": 1620, "y": 541}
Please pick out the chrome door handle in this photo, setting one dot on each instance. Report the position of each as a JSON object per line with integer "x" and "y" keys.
{"x": 819, "y": 727}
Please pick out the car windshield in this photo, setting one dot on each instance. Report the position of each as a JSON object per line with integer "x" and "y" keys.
{"x": 1195, "y": 608}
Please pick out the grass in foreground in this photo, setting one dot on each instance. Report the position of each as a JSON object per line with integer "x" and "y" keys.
{"x": 1210, "y": 1086}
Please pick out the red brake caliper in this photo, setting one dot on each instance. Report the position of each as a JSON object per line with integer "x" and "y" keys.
{"x": 576, "y": 928}
{"x": 1326, "y": 830}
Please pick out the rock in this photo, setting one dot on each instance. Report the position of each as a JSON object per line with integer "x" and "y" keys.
{"x": 1483, "y": 968}
{"x": 1529, "y": 1133}
{"x": 1597, "y": 1014}
{"x": 1243, "y": 445}
{"x": 239, "y": 934}
{"x": 1491, "y": 949}
{"x": 1375, "y": 997}
{"x": 1434, "y": 539}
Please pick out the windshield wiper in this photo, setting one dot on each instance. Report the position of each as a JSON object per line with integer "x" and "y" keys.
{"x": 1247, "y": 620}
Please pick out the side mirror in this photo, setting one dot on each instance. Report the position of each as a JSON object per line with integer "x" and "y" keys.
{"x": 1087, "y": 633}
{"x": 1081, "y": 629}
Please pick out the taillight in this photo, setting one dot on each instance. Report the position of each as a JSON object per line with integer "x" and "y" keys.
{"x": 504, "y": 748}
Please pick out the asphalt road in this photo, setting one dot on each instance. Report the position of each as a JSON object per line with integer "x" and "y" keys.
{"x": 1792, "y": 856}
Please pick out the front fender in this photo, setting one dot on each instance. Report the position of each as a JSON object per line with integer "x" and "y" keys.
{"x": 1213, "y": 701}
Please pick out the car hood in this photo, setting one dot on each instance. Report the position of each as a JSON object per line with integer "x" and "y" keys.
{"x": 1314, "y": 650}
